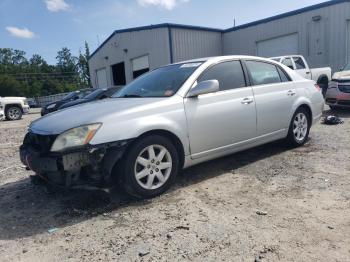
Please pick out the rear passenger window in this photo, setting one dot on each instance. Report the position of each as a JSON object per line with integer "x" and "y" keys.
{"x": 299, "y": 63}
{"x": 283, "y": 75}
{"x": 263, "y": 73}
{"x": 229, "y": 74}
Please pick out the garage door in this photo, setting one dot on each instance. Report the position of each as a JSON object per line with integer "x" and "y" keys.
{"x": 140, "y": 66}
{"x": 284, "y": 45}
{"x": 348, "y": 41}
{"x": 101, "y": 78}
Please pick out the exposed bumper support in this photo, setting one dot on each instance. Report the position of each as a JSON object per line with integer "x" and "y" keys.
{"x": 90, "y": 165}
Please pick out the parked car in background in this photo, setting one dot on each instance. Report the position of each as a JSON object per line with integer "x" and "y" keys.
{"x": 14, "y": 107}
{"x": 2, "y": 115}
{"x": 298, "y": 63}
{"x": 171, "y": 118}
{"x": 338, "y": 92}
{"x": 78, "y": 94}
{"x": 32, "y": 103}
{"x": 98, "y": 94}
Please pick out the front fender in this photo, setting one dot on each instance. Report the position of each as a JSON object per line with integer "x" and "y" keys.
{"x": 173, "y": 122}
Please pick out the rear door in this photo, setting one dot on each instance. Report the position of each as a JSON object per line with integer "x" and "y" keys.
{"x": 218, "y": 121}
{"x": 274, "y": 94}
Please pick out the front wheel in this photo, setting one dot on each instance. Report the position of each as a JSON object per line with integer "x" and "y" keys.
{"x": 150, "y": 167}
{"x": 299, "y": 128}
{"x": 13, "y": 113}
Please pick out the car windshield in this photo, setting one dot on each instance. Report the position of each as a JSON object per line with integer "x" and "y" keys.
{"x": 69, "y": 96}
{"x": 162, "y": 82}
{"x": 347, "y": 67}
{"x": 94, "y": 94}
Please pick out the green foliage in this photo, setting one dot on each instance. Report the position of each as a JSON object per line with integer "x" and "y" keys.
{"x": 34, "y": 77}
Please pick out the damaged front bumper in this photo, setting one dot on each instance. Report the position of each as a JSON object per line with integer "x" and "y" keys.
{"x": 89, "y": 166}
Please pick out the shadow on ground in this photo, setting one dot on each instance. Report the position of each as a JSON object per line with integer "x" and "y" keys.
{"x": 27, "y": 210}
{"x": 341, "y": 112}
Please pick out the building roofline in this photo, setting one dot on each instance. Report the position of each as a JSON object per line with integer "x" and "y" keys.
{"x": 157, "y": 26}
{"x": 291, "y": 13}
{"x": 208, "y": 29}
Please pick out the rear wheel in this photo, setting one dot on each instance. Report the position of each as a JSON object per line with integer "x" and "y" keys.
{"x": 299, "y": 127}
{"x": 150, "y": 167}
{"x": 13, "y": 113}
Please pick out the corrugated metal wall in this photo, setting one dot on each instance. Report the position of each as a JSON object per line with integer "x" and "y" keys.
{"x": 323, "y": 43}
{"x": 154, "y": 43}
{"x": 189, "y": 44}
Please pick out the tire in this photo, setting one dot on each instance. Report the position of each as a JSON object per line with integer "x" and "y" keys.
{"x": 13, "y": 113}
{"x": 152, "y": 179}
{"x": 299, "y": 127}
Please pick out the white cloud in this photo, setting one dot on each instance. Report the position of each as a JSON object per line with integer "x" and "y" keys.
{"x": 167, "y": 4}
{"x": 20, "y": 32}
{"x": 57, "y": 5}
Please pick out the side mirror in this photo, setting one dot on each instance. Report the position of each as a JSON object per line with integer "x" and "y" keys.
{"x": 205, "y": 87}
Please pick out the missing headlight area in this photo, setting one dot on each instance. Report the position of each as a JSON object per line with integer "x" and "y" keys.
{"x": 88, "y": 165}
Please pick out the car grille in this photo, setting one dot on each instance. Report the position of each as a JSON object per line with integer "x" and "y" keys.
{"x": 344, "y": 88}
{"x": 344, "y": 102}
{"x": 39, "y": 143}
{"x": 331, "y": 100}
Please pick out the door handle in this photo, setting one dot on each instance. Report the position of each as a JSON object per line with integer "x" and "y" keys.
{"x": 247, "y": 101}
{"x": 308, "y": 73}
{"x": 291, "y": 93}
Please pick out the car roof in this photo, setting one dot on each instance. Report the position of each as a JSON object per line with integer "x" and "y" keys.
{"x": 222, "y": 58}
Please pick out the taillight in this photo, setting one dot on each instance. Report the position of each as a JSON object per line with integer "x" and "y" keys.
{"x": 318, "y": 87}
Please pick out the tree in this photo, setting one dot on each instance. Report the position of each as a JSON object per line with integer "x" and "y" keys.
{"x": 35, "y": 77}
{"x": 83, "y": 65}
{"x": 66, "y": 62}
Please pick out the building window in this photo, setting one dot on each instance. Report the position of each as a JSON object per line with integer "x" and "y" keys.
{"x": 118, "y": 72}
{"x": 140, "y": 66}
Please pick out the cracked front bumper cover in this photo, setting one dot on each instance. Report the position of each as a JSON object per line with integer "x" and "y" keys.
{"x": 90, "y": 165}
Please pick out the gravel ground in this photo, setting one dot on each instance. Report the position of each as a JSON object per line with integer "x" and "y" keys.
{"x": 271, "y": 203}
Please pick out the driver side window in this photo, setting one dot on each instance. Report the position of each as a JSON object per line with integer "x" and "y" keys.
{"x": 229, "y": 74}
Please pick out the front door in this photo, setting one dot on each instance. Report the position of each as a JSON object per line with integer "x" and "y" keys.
{"x": 218, "y": 121}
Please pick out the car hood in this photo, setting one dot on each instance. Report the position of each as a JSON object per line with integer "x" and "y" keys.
{"x": 94, "y": 112}
{"x": 343, "y": 75}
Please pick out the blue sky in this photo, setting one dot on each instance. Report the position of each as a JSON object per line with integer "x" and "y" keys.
{"x": 45, "y": 26}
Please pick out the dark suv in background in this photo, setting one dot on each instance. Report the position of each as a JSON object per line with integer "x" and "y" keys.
{"x": 78, "y": 94}
{"x": 98, "y": 94}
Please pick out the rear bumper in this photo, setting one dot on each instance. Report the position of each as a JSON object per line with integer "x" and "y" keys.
{"x": 26, "y": 109}
{"x": 89, "y": 166}
{"x": 2, "y": 115}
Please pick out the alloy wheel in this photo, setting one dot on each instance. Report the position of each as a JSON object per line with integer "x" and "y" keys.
{"x": 300, "y": 126}
{"x": 14, "y": 113}
{"x": 153, "y": 167}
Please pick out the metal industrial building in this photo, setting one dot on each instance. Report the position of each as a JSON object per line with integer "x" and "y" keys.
{"x": 321, "y": 33}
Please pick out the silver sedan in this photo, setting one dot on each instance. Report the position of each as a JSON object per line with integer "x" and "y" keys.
{"x": 171, "y": 118}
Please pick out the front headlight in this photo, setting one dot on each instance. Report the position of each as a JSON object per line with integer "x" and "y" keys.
{"x": 75, "y": 137}
{"x": 51, "y": 106}
{"x": 332, "y": 84}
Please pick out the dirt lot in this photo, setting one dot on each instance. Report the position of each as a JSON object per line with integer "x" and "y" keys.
{"x": 272, "y": 202}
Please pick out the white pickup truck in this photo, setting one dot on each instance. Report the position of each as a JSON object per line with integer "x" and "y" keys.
{"x": 298, "y": 63}
{"x": 12, "y": 108}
